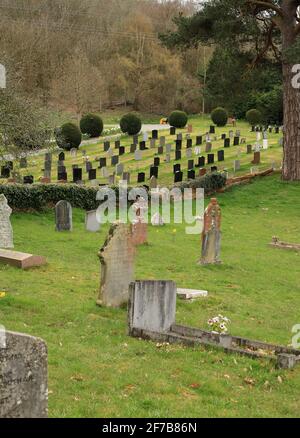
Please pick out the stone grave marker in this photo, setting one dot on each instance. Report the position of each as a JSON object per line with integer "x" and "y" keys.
{"x": 210, "y": 158}
{"x": 178, "y": 177}
{"x": 23, "y": 163}
{"x": 117, "y": 266}
{"x": 236, "y": 165}
{"x": 141, "y": 177}
{"x": 92, "y": 174}
{"x": 256, "y": 158}
{"x": 176, "y": 168}
{"x": 190, "y": 164}
{"x": 221, "y": 155}
{"x": 211, "y": 236}
{"x": 154, "y": 171}
{"x": 249, "y": 149}
{"x": 177, "y": 155}
{"x": 114, "y": 160}
{"x": 6, "y": 231}
{"x": 189, "y": 153}
{"x": 152, "y": 143}
{"x": 153, "y": 182}
{"x": 77, "y": 175}
{"x": 23, "y": 377}
{"x": 199, "y": 140}
{"x": 138, "y": 155}
{"x": 63, "y": 216}
{"x": 162, "y": 141}
{"x": 91, "y": 222}
{"x": 208, "y": 147}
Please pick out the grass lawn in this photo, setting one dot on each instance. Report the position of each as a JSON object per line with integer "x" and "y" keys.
{"x": 95, "y": 370}
{"x": 166, "y": 177}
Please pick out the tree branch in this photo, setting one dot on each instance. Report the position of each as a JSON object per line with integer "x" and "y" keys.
{"x": 266, "y": 5}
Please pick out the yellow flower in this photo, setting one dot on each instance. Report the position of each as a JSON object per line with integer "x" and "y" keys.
{"x": 174, "y": 231}
{"x": 2, "y": 294}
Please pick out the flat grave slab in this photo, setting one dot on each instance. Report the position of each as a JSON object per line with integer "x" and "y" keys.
{"x": 21, "y": 260}
{"x": 191, "y": 294}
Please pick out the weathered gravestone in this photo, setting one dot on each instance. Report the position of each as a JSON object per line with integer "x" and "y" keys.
{"x": 139, "y": 223}
{"x": 6, "y": 231}
{"x": 152, "y": 306}
{"x": 23, "y": 377}
{"x": 117, "y": 266}
{"x": 91, "y": 222}
{"x": 211, "y": 235}
{"x": 63, "y": 216}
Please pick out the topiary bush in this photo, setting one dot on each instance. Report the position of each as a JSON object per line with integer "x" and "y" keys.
{"x": 219, "y": 116}
{"x": 178, "y": 119}
{"x": 92, "y": 125}
{"x": 68, "y": 136}
{"x": 254, "y": 117}
{"x": 130, "y": 124}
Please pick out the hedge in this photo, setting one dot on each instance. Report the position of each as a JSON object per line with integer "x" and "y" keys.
{"x": 42, "y": 196}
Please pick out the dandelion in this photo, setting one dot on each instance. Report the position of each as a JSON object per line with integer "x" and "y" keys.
{"x": 2, "y": 294}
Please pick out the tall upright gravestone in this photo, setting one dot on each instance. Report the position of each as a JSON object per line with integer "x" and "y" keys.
{"x": 6, "y": 231}
{"x": 63, "y": 216}
{"x": 211, "y": 236}
{"x": 23, "y": 377}
{"x": 117, "y": 266}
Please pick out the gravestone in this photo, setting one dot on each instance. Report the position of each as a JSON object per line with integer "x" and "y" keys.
{"x": 92, "y": 174}
{"x": 214, "y": 169}
{"x": 5, "y": 172}
{"x": 77, "y": 175}
{"x": 265, "y": 143}
{"x": 133, "y": 148}
{"x": 189, "y": 153}
{"x": 152, "y": 306}
{"x": 119, "y": 169}
{"x": 179, "y": 137}
{"x": 210, "y": 158}
{"x": 221, "y": 155}
{"x": 249, "y": 148}
{"x": 178, "y": 177}
{"x": 138, "y": 155}
{"x": 73, "y": 152}
{"x": 236, "y": 141}
{"x": 106, "y": 146}
{"x": 178, "y": 144}
{"x": 6, "y": 231}
{"x": 117, "y": 266}
{"x": 114, "y": 160}
{"x": 256, "y": 158}
{"x": 189, "y": 143}
{"x": 227, "y": 143}
{"x": 168, "y": 148}
{"x": 104, "y": 172}
{"x": 20, "y": 259}
{"x": 172, "y": 130}
{"x": 162, "y": 141}
{"x": 142, "y": 145}
{"x": 199, "y": 140}
{"x": 88, "y": 166}
{"x": 145, "y": 136}
{"x": 63, "y": 176}
{"x": 160, "y": 150}
{"x": 211, "y": 235}
{"x": 91, "y": 222}
{"x": 236, "y": 165}
{"x": 176, "y": 168}
{"x": 23, "y": 163}
{"x": 117, "y": 144}
{"x": 61, "y": 156}
{"x": 212, "y": 129}
{"x": 102, "y": 162}
{"x": 23, "y": 377}
{"x": 155, "y": 134}
{"x": 121, "y": 150}
{"x": 156, "y": 161}
{"x": 126, "y": 177}
{"x": 190, "y": 164}
{"x": 154, "y": 171}
{"x": 202, "y": 172}
{"x": 168, "y": 158}
{"x": 191, "y": 174}
{"x": 197, "y": 150}
{"x": 201, "y": 162}
{"x": 28, "y": 179}
{"x": 63, "y": 216}
{"x": 152, "y": 143}
{"x": 141, "y": 177}
{"x": 208, "y": 147}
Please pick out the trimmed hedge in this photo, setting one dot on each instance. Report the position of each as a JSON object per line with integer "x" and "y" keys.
{"x": 178, "y": 119}
{"x": 130, "y": 124}
{"x": 254, "y": 117}
{"x": 219, "y": 116}
{"x": 68, "y": 136}
{"x": 92, "y": 125}
{"x": 210, "y": 182}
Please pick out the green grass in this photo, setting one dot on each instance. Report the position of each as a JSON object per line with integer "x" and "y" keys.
{"x": 166, "y": 178}
{"x": 96, "y": 370}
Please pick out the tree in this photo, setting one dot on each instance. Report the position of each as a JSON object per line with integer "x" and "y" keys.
{"x": 266, "y": 26}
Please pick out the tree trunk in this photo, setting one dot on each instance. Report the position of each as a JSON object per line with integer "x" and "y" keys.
{"x": 291, "y": 100}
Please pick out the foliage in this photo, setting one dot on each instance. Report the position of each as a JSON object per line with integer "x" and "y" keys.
{"x": 178, "y": 119}
{"x": 130, "y": 124}
{"x": 211, "y": 182}
{"x": 92, "y": 125}
{"x": 219, "y": 324}
{"x": 219, "y": 116}
{"x": 68, "y": 136}
{"x": 254, "y": 117}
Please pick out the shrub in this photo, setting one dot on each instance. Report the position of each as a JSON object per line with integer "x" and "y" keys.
{"x": 68, "y": 136}
{"x": 91, "y": 125}
{"x": 210, "y": 182}
{"x": 254, "y": 117}
{"x": 219, "y": 116}
{"x": 178, "y": 119}
{"x": 130, "y": 124}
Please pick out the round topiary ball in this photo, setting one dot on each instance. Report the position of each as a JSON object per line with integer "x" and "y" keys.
{"x": 130, "y": 124}
{"x": 68, "y": 136}
{"x": 219, "y": 116}
{"x": 178, "y": 119}
{"x": 254, "y": 117}
{"x": 92, "y": 125}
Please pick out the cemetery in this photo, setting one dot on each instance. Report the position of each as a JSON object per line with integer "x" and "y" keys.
{"x": 149, "y": 240}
